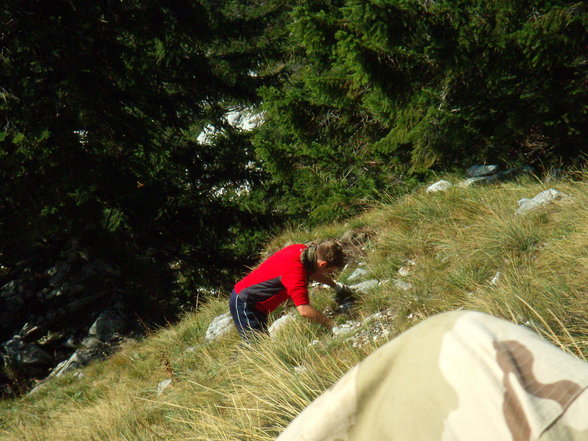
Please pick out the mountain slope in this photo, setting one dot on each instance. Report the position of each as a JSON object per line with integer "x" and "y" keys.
{"x": 430, "y": 252}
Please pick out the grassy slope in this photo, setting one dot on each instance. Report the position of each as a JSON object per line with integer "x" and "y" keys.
{"x": 459, "y": 240}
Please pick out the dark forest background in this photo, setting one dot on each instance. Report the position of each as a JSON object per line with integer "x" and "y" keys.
{"x": 102, "y": 104}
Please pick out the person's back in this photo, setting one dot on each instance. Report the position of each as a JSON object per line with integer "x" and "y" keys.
{"x": 279, "y": 277}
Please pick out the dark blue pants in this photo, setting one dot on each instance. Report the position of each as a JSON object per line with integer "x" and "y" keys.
{"x": 248, "y": 320}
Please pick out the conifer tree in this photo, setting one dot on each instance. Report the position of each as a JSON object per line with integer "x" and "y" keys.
{"x": 101, "y": 106}
{"x": 379, "y": 88}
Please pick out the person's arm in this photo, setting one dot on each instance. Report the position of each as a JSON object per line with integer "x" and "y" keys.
{"x": 343, "y": 292}
{"x": 313, "y": 314}
{"x": 325, "y": 280}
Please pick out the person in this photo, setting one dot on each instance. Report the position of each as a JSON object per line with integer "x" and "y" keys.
{"x": 285, "y": 275}
{"x": 457, "y": 376}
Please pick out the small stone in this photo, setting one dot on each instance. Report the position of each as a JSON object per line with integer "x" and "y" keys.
{"x": 438, "y": 186}
{"x": 365, "y": 286}
{"x": 359, "y": 273}
{"x": 163, "y": 386}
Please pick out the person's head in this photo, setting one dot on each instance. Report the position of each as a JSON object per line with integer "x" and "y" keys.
{"x": 329, "y": 256}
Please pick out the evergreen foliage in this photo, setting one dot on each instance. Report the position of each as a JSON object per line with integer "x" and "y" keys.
{"x": 384, "y": 87}
{"x": 101, "y": 106}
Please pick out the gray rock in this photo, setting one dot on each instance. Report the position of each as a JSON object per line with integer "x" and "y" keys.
{"x": 482, "y": 170}
{"x": 406, "y": 270}
{"x": 92, "y": 343}
{"x": 358, "y": 274}
{"x": 107, "y": 325}
{"x": 23, "y": 354}
{"x": 99, "y": 267}
{"x": 84, "y": 301}
{"x": 346, "y": 328}
{"x": 478, "y": 180}
{"x": 438, "y": 186}
{"x": 73, "y": 362}
{"x": 163, "y": 386}
{"x": 543, "y": 198}
{"x": 280, "y": 323}
{"x": 220, "y": 326}
{"x": 78, "y": 359}
{"x": 366, "y": 286}
{"x": 401, "y": 284}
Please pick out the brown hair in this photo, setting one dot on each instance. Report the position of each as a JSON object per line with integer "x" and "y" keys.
{"x": 331, "y": 252}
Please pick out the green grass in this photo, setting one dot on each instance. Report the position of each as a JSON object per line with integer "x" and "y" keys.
{"x": 459, "y": 240}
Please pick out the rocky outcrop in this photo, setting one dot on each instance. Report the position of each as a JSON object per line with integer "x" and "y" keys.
{"x": 59, "y": 318}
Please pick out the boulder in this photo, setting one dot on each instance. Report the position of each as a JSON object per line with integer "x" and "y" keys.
{"x": 543, "y": 198}
{"x": 108, "y": 324}
{"x": 219, "y": 326}
{"x": 27, "y": 358}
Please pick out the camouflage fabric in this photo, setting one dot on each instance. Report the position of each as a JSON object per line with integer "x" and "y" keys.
{"x": 458, "y": 376}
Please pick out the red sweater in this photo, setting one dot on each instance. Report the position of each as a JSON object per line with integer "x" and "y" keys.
{"x": 280, "y": 277}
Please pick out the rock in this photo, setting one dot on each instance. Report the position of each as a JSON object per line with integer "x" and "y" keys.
{"x": 441, "y": 185}
{"x": 358, "y": 274}
{"x": 496, "y": 278}
{"x": 401, "y": 284}
{"x": 482, "y": 170}
{"x": 486, "y": 179}
{"x": 280, "y": 323}
{"x": 58, "y": 273}
{"x": 30, "y": 331}
{"x": 478, "y": 180}
{"x": 73, "y": 362}
{"x": 23, "y": 355}
{"x": 345, "y": 328}
{"x": 406, "y": 270}
{"x": 92, "y": 342}
{"x": 92, "y": 349}
{"x": 374, "y": 328}
{"x": 70, "y": 342}
{"x": 107, "y": 325}
{"x": 219, "y": 326}
{"x": 366, "y": 286}
{"x": 543, "y": 198}
{"x": 163, "y": 386}
{"x": 98, "y": 267}
{"x": 84, "y": 301}
{"x": 77, "y": 360}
